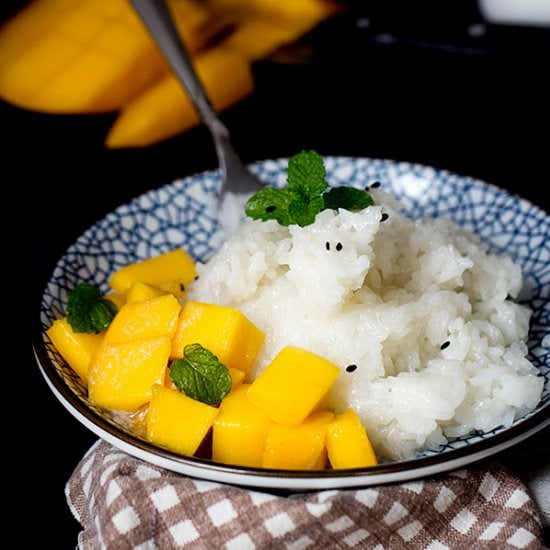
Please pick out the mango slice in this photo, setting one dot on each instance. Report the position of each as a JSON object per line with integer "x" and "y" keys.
{"x": 95, "y": 56}
{"x": 75, "y": 347}
{"x": 177, "y": 422}
{"x": 165, "y": 110}
{"x": 144, "y": 319}
{"x": 293, "y": 385}
{"x": 348, "y": 445}
{"x": 121, "y": 376}
{"x": 174, "y": 265}
{"x": 239, "y": 431}
{"x": 299, "y": 447}
{"x": 223, "y": 330}
{"x": 63, "y": 56}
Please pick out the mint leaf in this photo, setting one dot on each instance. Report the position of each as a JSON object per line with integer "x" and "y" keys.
{"x": 305, "y": 196}
{"x": 200, "y": 375}
{"x": 88, "y": 311}
{"x": 270, "y": 204}
{"x": 349, "y": 198}
{"x": 303, "y": 213}
{"x": 306, "y": 175}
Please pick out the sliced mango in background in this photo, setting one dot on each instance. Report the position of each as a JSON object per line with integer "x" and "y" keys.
{"x": 95, "y": 56}
{"x": 165, "y": 110}
{"x": 63, "y": 56}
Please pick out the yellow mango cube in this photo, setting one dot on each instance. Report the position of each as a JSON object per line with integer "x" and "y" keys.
{"x": 348, "y": 445}
{"x": 77, "y": 348}
{"x": 121, "y": 376}
{"x": 140, "y": 291}
{"x": 223, "y": 330}
{"x": 293, "y": 385}
{"x": 118, "y": 299}
{"x": 177, "y": 422}
{"x": 299, "y": 447}
{"x": 237, "y": 376}
{"x": 176, "y": 288}
{"x": 239, "y": 431}
{"x": 174, "y": 265}
{"x": 144, "y": 319}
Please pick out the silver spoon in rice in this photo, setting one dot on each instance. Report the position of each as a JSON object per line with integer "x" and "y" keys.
{"x": 237, "y": 179}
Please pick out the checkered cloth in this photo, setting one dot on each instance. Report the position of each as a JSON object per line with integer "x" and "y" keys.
{"x": 125, "y": 503}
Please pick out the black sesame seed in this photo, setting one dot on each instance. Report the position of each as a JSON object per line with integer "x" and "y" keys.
{"x": 327, "y": 245}
{"x": 384, "y": 217}
{"x": 270, "y": 208}
{"x": 375, "y": 184}
{"x": 196, "y": 278}
{"x": 182, "y": 287}
{"x": 445, "y": 344}
{"x": 339, "y": 246}
{"x": 351, "y": 368}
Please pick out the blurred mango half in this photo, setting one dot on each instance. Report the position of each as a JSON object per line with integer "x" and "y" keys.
{"x": 95, "y": 56}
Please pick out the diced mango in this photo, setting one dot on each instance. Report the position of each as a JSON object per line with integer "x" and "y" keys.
{"x": 121, "y": 376}
{"x": 140, "y": 291}
{"x": 174, "y": 265}
{"x": 75, "y": 347}
{"x": 177, "y": 422}
{"x": 177, "y": 288}
{"x": 118, "y": 299}
{"x": 165, "y": 110}
{"x": 223, "y": 330}
{"x": 299, "y": 447}
{"x": 293, "y": 385}
{"x": 237, "y": 376}
{"x": 239, "y": 431}
{"x": 348, "y": 445}
{"x": 144, "y": 319}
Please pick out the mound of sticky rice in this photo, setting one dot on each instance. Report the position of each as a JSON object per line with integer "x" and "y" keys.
{"x": 417, "y": 314}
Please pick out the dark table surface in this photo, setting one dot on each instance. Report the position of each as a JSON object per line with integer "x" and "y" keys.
{"x": 437, "y": 88}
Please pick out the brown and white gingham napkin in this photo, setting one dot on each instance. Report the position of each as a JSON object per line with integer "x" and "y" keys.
{"x": 125, "y": 503}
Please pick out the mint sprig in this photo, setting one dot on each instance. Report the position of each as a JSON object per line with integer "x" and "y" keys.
{"x": 306, "y": 195}
{"x": 88, "y": 311}
{"x": 200, "y": 375}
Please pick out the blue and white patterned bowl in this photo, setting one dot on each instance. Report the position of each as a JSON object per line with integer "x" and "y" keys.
{"x": 183, "y": 213}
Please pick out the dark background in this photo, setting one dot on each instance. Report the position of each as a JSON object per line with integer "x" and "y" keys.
{"x": 430, "y": 84}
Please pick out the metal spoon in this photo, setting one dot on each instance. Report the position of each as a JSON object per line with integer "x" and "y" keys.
{"x": 156, "y": 16}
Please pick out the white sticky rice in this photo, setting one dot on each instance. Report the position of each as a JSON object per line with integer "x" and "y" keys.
{"x": 420, "y": 307}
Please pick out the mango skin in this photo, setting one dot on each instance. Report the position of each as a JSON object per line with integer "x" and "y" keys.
{"x": 223, "y": 330}
{"x": 75, "y": 347}
{"x": 121, "y": 376}
{"x": 298, "y": 447}
{"x": 239, "y": 431}
{"x": 293, "y": 385}
{"x": 174, "y": 265}
{"x": 177, "y": 422}
{"x": 348, "y": 445}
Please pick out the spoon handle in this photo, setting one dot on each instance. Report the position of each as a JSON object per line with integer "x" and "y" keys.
{"x": 156, "y": 17}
